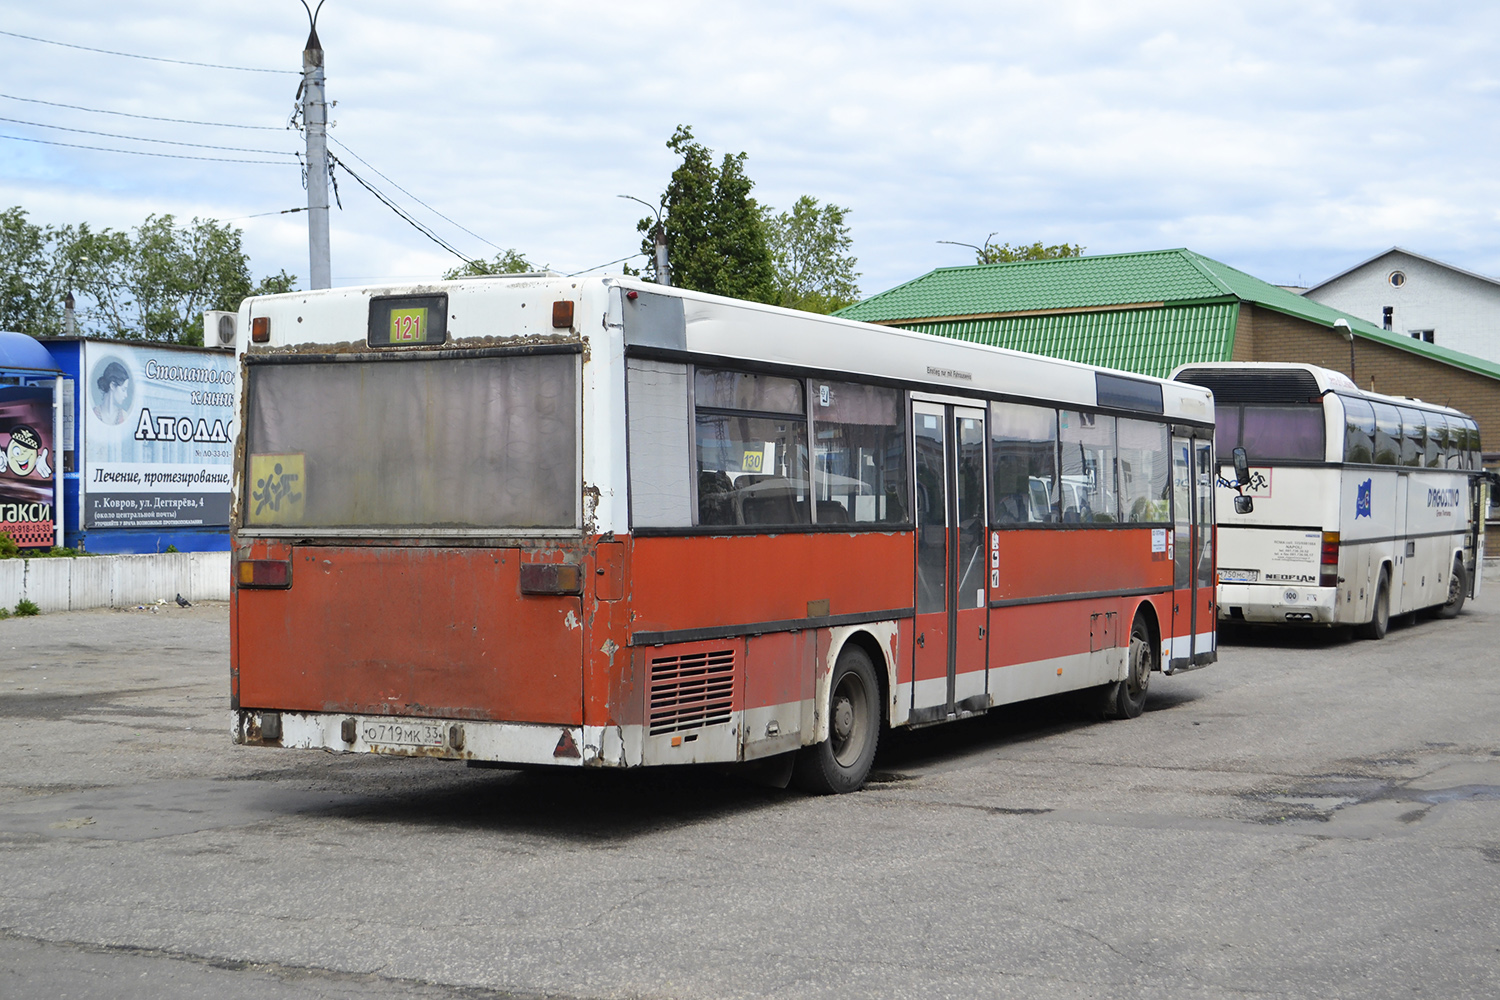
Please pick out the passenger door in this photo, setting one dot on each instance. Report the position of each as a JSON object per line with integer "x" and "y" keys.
{"x": 952, "y": 597}
{"x": 1194, "y": 625}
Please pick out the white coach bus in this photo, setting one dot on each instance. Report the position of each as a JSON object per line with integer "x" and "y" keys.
{"x": 1362, "y": 506}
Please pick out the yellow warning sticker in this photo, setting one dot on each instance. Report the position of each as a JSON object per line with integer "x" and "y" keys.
{"x": 278, "y": 486}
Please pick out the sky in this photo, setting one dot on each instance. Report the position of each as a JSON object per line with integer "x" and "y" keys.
{"x": 1289, "y": 139}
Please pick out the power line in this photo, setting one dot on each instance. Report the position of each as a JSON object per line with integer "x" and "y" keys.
{"x": 132, "y": 55}
{"x": 134, "y": 138}
{"x": 152, "y": 118}
{"x": 388, "y": 203}
{"x": 413, "y": 197}
{"x": 597, "y": 266}
{"x": 262, "y": 215}
{"x": 142, "y": 152}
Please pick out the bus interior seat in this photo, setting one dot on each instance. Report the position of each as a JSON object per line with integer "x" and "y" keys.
{"x": 769, "y": 500}
{"x": 832, "y": 512}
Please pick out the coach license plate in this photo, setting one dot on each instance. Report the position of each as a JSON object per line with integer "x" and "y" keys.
{"x": 401, "y": 734}
{"x": 1239, "y": 575}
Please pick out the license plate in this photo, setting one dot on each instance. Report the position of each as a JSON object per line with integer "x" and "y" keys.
{"x": 401, "y": 734}
{"x": 1239, "y": 575}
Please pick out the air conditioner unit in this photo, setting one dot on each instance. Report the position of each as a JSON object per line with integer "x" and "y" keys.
{"x": 219, "y": 328}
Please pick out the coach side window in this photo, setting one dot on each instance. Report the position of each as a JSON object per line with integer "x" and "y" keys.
{"x": 1359, "y": 430}
{"x": 1387, "y": 434}
{"x": 1087, "y": 485}
{"x": 751, "y": 449}
{"x": 1437, "y": 439}
{"x": 1413, "y": 437}
{"x": 859, "y": 453}
{"x": 1024, "y": 463}
{"x": 1145, "y": 493}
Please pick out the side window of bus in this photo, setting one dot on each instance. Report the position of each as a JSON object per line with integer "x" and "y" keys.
{"x": 1359, "y": 430}
{"x": 1145, "y": 490}
{"x": 1474, "y": 460}
{"x": 1387, "y": 434}
{"x": 1024, "y": 464}
{"x": 1285, "y": 433}
{"x": 859, "y": 453}
{"x": 1413, "y": 436}
{"x": 1087, "y": 483}
{"x": 751, "y": 449}
{"x": 1437, "y": 439}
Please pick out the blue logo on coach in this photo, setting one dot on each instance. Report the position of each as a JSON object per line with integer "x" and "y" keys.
{"x": 1362, "y": 501}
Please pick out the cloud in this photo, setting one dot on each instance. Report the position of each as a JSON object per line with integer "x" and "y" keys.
{"x": 1284, "y": 138}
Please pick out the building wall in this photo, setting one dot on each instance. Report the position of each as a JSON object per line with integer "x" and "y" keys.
{"x": 1463, "y": 311}
{"x": 1263, "y": 335}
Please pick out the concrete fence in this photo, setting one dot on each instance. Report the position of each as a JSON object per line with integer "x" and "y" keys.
{"x": 114, "y": 581}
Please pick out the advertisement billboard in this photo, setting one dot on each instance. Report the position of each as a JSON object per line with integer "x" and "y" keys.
{"x": 28, "y": 491}
{"x": 158, "y": 436}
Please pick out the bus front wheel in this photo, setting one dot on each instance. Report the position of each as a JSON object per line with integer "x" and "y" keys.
{"x": 842, "y": 762}
{"x": 1127, "y": 699}
{"x": 1458, "y": 589}
{"x": 1380, "y": 615}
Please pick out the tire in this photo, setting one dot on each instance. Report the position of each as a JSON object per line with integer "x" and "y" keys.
{"x": 1127, "y": 699}
{"x": 1458, "y": 591}
{"x": 1380, "y": 615}
{"x": 841, "y": 763}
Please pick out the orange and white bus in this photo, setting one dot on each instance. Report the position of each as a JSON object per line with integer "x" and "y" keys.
{"x": 599, "y": 522}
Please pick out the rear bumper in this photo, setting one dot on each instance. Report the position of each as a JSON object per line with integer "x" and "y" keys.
{"x": 1278, "y": 604}
{"x": 456, "y": 739}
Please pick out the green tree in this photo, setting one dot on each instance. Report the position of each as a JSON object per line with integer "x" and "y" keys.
{"x": 152, "y": 284}
{"x": 1004, "y": 253}
{"x": 30, "y": 292}
{"x": 506, "y": 262}
{"x": 810, "y": 250}
{"x": 715, "y": 242}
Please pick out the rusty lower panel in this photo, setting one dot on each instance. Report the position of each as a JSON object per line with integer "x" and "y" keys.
{"x": 412, "y": 631}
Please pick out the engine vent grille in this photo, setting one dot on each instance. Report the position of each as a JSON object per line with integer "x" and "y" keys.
{"x": 1290, "y": 385}
{"x": 691, "y": 690}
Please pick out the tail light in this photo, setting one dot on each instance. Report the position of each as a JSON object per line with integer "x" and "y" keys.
{"x": 260, "y": 329}
{"x": 1328, "y": 572}
{"x": 265, "y": 574}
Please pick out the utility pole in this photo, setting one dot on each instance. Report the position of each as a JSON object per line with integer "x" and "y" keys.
{"x": 315, "y": 126}
{"x": 659, "y": 238}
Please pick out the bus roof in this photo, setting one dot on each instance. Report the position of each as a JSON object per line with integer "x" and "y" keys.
{"x": 706, "y": 328}
{"x": 1325, "y": 379}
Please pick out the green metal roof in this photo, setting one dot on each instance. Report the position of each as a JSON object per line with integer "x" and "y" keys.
{"x": 1148, "y": 341}
{"x": 1139, "y": 340}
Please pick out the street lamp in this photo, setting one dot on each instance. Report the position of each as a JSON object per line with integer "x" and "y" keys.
{"x": 1341, "y": 326}
{"x": 659, "y": 237}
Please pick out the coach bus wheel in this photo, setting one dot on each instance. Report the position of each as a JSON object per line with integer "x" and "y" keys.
{"x": 1127, "y": 699}
{"x": 1380, "y": 616}
{"x": 842, "y": 762}
{"x": 1458, "y": 589}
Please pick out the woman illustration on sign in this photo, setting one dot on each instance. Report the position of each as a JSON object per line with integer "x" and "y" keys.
{"x": 114, "y": 393}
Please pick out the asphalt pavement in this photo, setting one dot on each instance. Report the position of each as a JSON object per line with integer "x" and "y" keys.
{"x": 1309, "y": 817}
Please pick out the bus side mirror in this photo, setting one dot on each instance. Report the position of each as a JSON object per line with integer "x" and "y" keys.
{"x": 1241, "y": 468}
{"x": 1243, "y": 505}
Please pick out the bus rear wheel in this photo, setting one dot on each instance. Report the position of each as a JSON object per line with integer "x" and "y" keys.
{"x": 841, "y": 763}
{"x": 1127, "y": 699}
{"x": 1458, "y": 590}
{"x": 1380, "y": 615}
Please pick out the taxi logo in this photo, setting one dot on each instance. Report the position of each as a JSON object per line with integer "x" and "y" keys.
{"x": 1362, "y": 500}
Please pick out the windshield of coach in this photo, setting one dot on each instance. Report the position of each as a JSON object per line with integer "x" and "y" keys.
{"x": 468, "y": 444}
